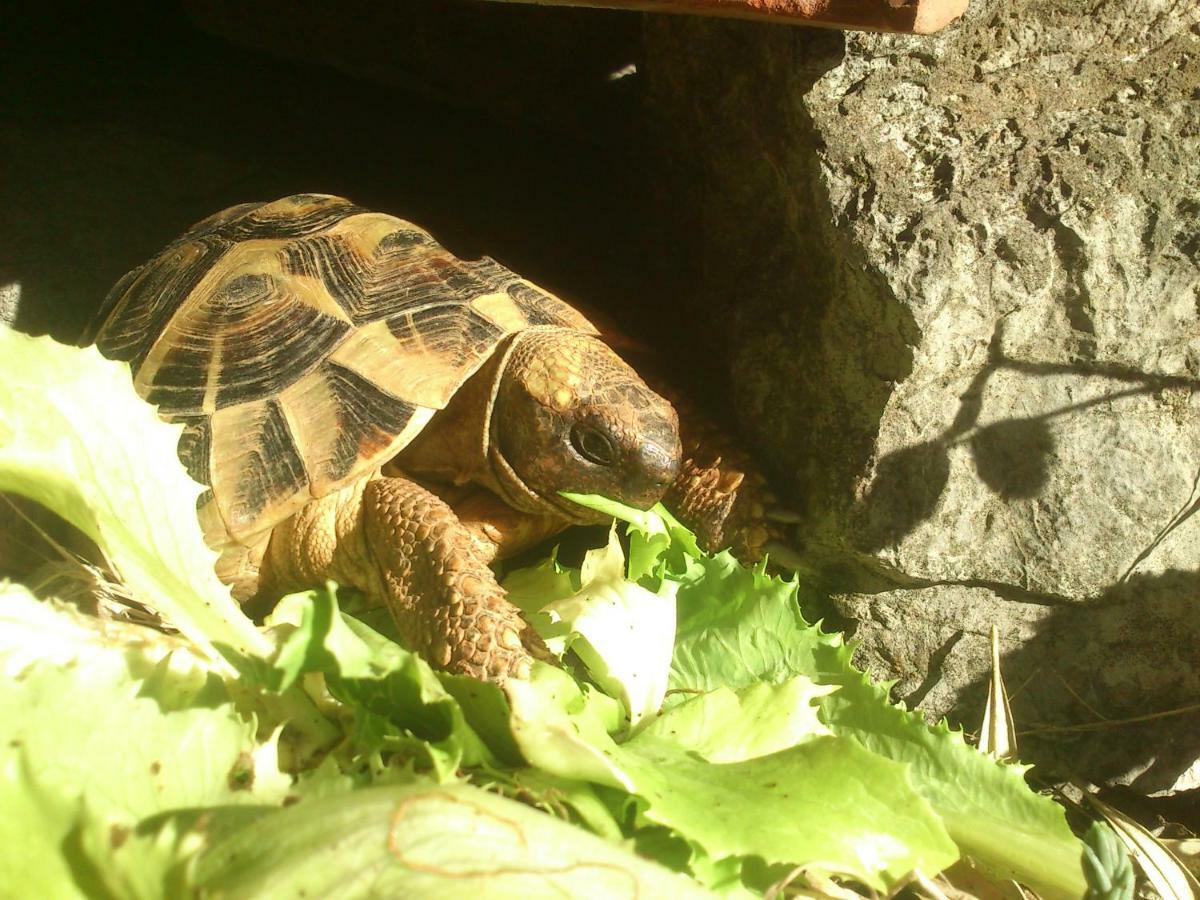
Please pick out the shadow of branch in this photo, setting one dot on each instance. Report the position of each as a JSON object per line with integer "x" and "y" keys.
{"x": 1013, "y": 457}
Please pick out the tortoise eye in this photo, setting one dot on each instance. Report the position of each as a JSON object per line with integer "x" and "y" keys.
{"x": 592, "y": 445}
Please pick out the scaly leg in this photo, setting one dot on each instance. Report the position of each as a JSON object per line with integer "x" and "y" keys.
{"x": 404, "y": 547}
{"x": 722, "y": 496}
{"x": 500, "y": 531}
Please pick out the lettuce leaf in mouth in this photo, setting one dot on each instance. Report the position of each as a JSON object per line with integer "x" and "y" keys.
{"x": 714, "y": 730}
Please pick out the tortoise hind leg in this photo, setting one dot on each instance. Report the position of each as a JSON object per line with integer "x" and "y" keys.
{"x": 403, "y": 547}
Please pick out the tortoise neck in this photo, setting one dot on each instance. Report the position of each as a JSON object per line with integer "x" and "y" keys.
{"x": 453, "y": 447}
{"x": 461, "y": 444}
{"x": 531, "y": 372}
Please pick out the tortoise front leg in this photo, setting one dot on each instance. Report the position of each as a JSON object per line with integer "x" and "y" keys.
{"x": 500, "y": 531}
{"x": 404, "y": 547}
{"x": 722, "y": 496}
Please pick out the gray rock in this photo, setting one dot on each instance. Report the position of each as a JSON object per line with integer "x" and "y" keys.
{"x": 963, "y": 276}
{"x": 10, "y": 296}
{"x": 1085, "y": 681}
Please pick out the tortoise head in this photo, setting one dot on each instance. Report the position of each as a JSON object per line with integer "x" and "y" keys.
{"x": 571, "y": 415}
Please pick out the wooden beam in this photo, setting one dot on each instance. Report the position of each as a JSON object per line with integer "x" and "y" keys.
{"x": 901, "y": 16}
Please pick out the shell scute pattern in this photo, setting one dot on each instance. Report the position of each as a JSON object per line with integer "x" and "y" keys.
{"x": 441, "y": 333}
{"x": 147, "y": 301}
{"x": 369, "y": 419}
{"x": 541, "y": 308}
{"x": 335, "y": 263}
{"x": 256, "y": 465}
{"x": 194, "y": 443}
{"x": 291, "y": 217}
{"x": 249, "y": 338}
{"x": 304, "y": 342}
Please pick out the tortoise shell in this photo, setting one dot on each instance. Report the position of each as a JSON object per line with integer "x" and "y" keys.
{"x": 303, "y": 343}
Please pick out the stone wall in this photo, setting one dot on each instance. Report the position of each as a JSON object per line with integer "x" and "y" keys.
{"x": 957, "y": 280}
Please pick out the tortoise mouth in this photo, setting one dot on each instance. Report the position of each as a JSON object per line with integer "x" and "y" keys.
{"x": 519, "y": 495}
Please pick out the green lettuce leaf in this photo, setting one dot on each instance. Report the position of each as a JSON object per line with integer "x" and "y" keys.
{"x": 425, "y": 840}
{"x": 623, "y": 633}
{"x": 819, "y": 801}
{"x": 75, "y": 437}
{"x": 738, "y": 627}
{"x": 566, "y": 798}
{"x": 102, "y": 725}
{"x": 724, "y": 726}
{"x": 657, "y": 538}
{"x": 395, "y": 701}
{"x": 33, "y": 831}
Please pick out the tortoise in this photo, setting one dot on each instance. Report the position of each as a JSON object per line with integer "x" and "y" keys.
{"x": 364, "y": 406}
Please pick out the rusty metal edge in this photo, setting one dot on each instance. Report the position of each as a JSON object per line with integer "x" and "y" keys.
{"x": 895, "y": 16}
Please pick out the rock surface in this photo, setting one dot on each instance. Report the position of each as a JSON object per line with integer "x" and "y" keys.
{"x": 962, "y": 278}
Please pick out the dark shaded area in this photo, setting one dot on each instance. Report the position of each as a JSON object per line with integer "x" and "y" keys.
{"x": 812, "y": 334}
{"x": 936, "y": 660}
{"x": 123, "y": 127}
{"x": 1013, "y": 457}
{"x": 905, "y": 492}
{"x": 33, "y": 536}
{"x": 1099, "y": 670}
{"x": 1177, "y": 815}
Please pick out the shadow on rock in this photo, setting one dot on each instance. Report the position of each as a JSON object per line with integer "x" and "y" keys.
{"x": 904, "y": 493}
{"x": 1013, "y": 457}
{"x": 1108, "y": 688}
